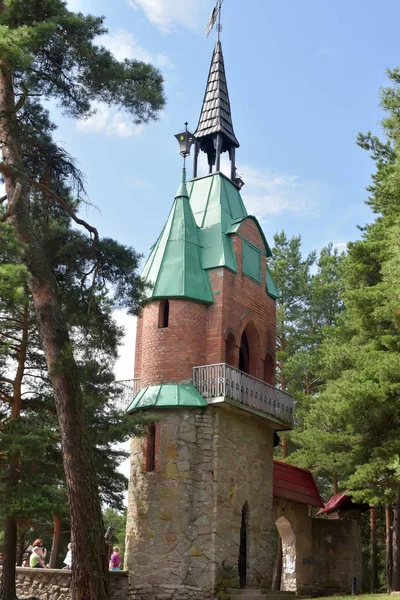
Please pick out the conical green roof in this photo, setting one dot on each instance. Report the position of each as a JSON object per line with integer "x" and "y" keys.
{"x": 174, "y": 267}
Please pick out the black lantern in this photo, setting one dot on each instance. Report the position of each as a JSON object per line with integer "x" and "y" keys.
{"x": 185, "y": 140}
{"x": 238, "y": 180}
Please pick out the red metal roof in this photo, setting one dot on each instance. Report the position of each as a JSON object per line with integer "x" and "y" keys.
{"x": 295, "y": 484}
{"x": 344, "y": 502}
{"x": 333, "y": 503}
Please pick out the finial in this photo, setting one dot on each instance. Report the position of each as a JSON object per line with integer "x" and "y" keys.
{"x": 185, "y": 139}
{"x": 216, "y": 12}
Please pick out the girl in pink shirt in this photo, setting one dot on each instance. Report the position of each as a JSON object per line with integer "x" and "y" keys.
{"x": 115, "y": 560}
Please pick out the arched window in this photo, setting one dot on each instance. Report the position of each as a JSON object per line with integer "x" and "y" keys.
{"x": 163, "y": 315}
{"x": 244, "y": 354}
{"x": 149, "y": 449}
{"x": 250, "y": 360}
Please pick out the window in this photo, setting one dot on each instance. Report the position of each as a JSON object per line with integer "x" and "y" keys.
{"x": 251, "y": 264}
{"x": 163, "y": 315}
{"x": 149, "y": 449}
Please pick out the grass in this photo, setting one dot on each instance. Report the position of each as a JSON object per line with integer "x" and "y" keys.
{"x": 360, "y": 597}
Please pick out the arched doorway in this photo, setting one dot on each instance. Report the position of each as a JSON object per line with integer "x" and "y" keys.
{"x": 244, "y": 354}
{"x": 269, "y": 370}
{"x": 285, "y": 562}
{"x": 242, "y": 560}
{"x": 250, "y": 360}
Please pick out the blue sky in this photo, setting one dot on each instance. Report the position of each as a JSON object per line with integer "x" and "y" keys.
{"x": 303, "y": 80}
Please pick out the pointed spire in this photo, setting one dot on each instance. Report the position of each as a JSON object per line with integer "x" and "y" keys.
{"x": 182, "y": 190}
{"x": 174, "y": 267}
{"x": 215, "y": 116}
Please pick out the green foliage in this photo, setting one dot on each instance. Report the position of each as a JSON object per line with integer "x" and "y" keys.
{"x": 351, "y": 426}
{"x": 54, "y": 54}
{"x": 116, "y": 520}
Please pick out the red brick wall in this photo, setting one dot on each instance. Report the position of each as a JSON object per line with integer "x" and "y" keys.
{"x": 197, "y": 334}
{"x": 240, "y": 303}
{"x": 138, "y": 346}
{"x": 168, "y": 354}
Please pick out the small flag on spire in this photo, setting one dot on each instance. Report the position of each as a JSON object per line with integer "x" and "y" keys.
{"x": 213, "y": 17}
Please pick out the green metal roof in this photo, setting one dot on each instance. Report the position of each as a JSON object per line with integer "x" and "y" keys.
{"x": 272, "y": 290}
{"x": 174, "y": 267}
{"x": 215, "y": 203}
{"x": 165, "y": 396}
{"x": 197, "y": 237}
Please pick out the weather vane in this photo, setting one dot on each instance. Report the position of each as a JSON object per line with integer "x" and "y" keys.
{"x": 216, "y": 13}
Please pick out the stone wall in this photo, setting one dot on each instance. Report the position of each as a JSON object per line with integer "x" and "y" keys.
{"x": 295, "y": 528}
{"x": 337, "y": 555}
{"x": 183, "y": 526}
{"x": 320, "y": 556}
{"x": 54, "y": 584}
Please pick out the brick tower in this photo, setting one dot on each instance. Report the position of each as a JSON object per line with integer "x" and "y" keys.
{"x": 200, "y": 490}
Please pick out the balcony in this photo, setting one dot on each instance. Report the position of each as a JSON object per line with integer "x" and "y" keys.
{"x": 126, "y": 390}
{"x": 221, "y": 382}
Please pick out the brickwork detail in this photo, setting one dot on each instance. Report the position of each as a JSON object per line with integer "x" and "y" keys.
{"x": 168, "y": 354}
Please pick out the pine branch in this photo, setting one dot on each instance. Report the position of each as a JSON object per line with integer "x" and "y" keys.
{"x": 65, "y": 206}
{"x": 7, "y": 170}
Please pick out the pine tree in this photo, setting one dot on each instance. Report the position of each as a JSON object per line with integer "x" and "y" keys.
{"x": 291, "y": 273}
{"x": 47, "y": 51}
{"x": 352, "y": 426}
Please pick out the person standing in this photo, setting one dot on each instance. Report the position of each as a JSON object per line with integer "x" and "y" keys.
{"x": 68, "y": 557}
{"x": 115, "y": 560}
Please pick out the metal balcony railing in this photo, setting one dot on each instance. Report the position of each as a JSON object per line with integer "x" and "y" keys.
{"x": 223, "y": 381}
{"x": 126, "y": 390}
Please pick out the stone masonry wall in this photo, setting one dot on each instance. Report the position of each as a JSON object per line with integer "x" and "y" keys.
{"x": 54, "y": 584}
{"x": 337, "y": 555}
{"x": 295, "y": 528}
{"x": 183, "y": 522}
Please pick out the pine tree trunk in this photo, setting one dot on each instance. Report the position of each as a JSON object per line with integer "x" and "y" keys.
{"x": 395, "y": 545}
{"x": 335, "y": 484}
{"x": 21, "y": 549}
{"x": 8, "y": 589}
{"x": 389, "y": 551}
{"x": 56, "y": 540}
{"x": 90, "y": 577}
{"x": 374, "y": 550}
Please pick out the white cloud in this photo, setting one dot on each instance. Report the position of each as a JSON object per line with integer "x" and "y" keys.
{"x": 168, "y": 15}
{"x": 340, "y": 246}
{"x": 267, "y": 193}
{"x": 109, "y": 121}
{"x": 123, "y": 45}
